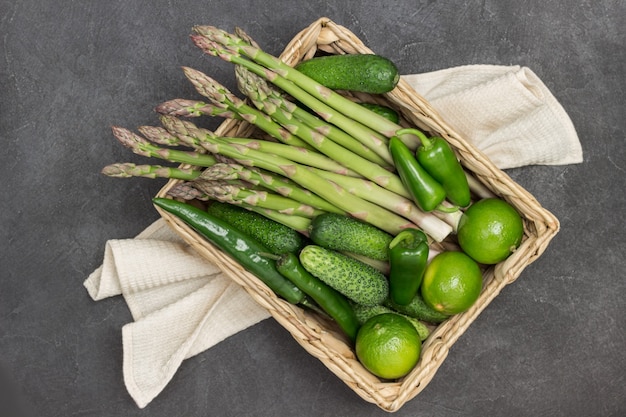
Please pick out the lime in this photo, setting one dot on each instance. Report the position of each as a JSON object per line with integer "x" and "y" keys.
{"x": 490, "y": 230}
{"x": 388, "y": 345}
{"x": 452, "y": 282}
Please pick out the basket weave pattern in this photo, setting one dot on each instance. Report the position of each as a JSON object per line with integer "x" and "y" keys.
{"x": 320, "y": 337}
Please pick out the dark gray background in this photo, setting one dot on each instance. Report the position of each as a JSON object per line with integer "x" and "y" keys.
{"x": 551, "y": 344}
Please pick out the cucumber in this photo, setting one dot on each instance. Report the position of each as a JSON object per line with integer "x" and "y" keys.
{"x": 367, "y": 73}
{"x": 387, "y": 112}
{"x": 363, "y": 313}
{"x": 348, "y": 234}
{"x": 418, "y": 309}
{"x": 277, "y": 237}
{"x": 359, "y": 282}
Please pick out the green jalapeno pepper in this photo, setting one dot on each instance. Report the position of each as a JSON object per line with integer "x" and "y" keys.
{"x": 427, "y": 193}
{"x": 408, "y": 257}
{"x": 327, "y": 298}
{"x": 242, "y": 248}
{"x": 438, "y": 159}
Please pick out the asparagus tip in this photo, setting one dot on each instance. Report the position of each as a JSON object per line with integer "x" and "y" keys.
{"x": 117, "y": 170}
{"x": 176, "y": 106}
{"x": 126, "y": 137}
{"x": 203, "y": 43}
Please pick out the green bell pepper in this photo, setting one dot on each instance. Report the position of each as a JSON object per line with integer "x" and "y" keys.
{"x": 408, "y": 257}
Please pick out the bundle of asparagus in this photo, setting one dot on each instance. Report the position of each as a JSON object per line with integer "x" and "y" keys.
{"x": 318, "y": 152}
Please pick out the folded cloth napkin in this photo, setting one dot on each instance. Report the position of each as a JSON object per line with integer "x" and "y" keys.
{"x": 182, "y": 304}
{"x": 505, "y": 111}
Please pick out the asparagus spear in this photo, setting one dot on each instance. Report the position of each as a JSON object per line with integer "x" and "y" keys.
{"x": 295, "y": 153}
{"x": 141, "y": 146}
{"x": 186, "y": 191}
{"x": 338, "y": 196}
{"x": 190, "y": 108}
{"x": 228, "y": 191}
{"x": 230, "y": 47}
{"x": 128, "y": 170}
{"x": 194, "y": 108}
{"x": 270, "y": 181}
{"x": 161, "y": 136}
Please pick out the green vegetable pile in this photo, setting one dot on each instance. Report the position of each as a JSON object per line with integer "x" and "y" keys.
{"x": 332, "y": 203}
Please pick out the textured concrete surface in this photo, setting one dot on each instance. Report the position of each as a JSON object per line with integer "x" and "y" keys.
{"x": 551, "y": 344}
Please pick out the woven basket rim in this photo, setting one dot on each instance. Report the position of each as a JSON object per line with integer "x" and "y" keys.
{"x": 316, "y": 335}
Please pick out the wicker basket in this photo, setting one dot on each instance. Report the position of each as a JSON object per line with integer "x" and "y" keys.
{"x": 320, "y": 337}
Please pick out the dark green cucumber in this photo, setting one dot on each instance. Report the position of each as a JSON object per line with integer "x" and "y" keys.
{"x": 363, "y": 313}
{"x": 367, "y": 73}
{"x": 387, "y": 112}
{"x": 241, "y": 247}
{"x": 356, "y": 280}
{"x": 348, "y": 234}
{"x": 277, "y": 237}
{"x": 418, "y": 309}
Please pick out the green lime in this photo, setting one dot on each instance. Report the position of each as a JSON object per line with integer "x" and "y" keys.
{"x": 490, "y": 230}
{"x": 452, "y": 282}
{"x": 388, "y": 345}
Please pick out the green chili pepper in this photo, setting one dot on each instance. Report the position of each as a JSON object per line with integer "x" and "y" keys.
{"x": 330, "y": 300}
{"x": 437, "y": 157}
{"x": 242, "y": 248}
{"x": 427, "y": 193}
{"x": 408, "y": 257}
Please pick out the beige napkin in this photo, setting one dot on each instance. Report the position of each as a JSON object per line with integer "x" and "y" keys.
{"x": 505, "y": 111}
{"x": 182, "y": 305}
